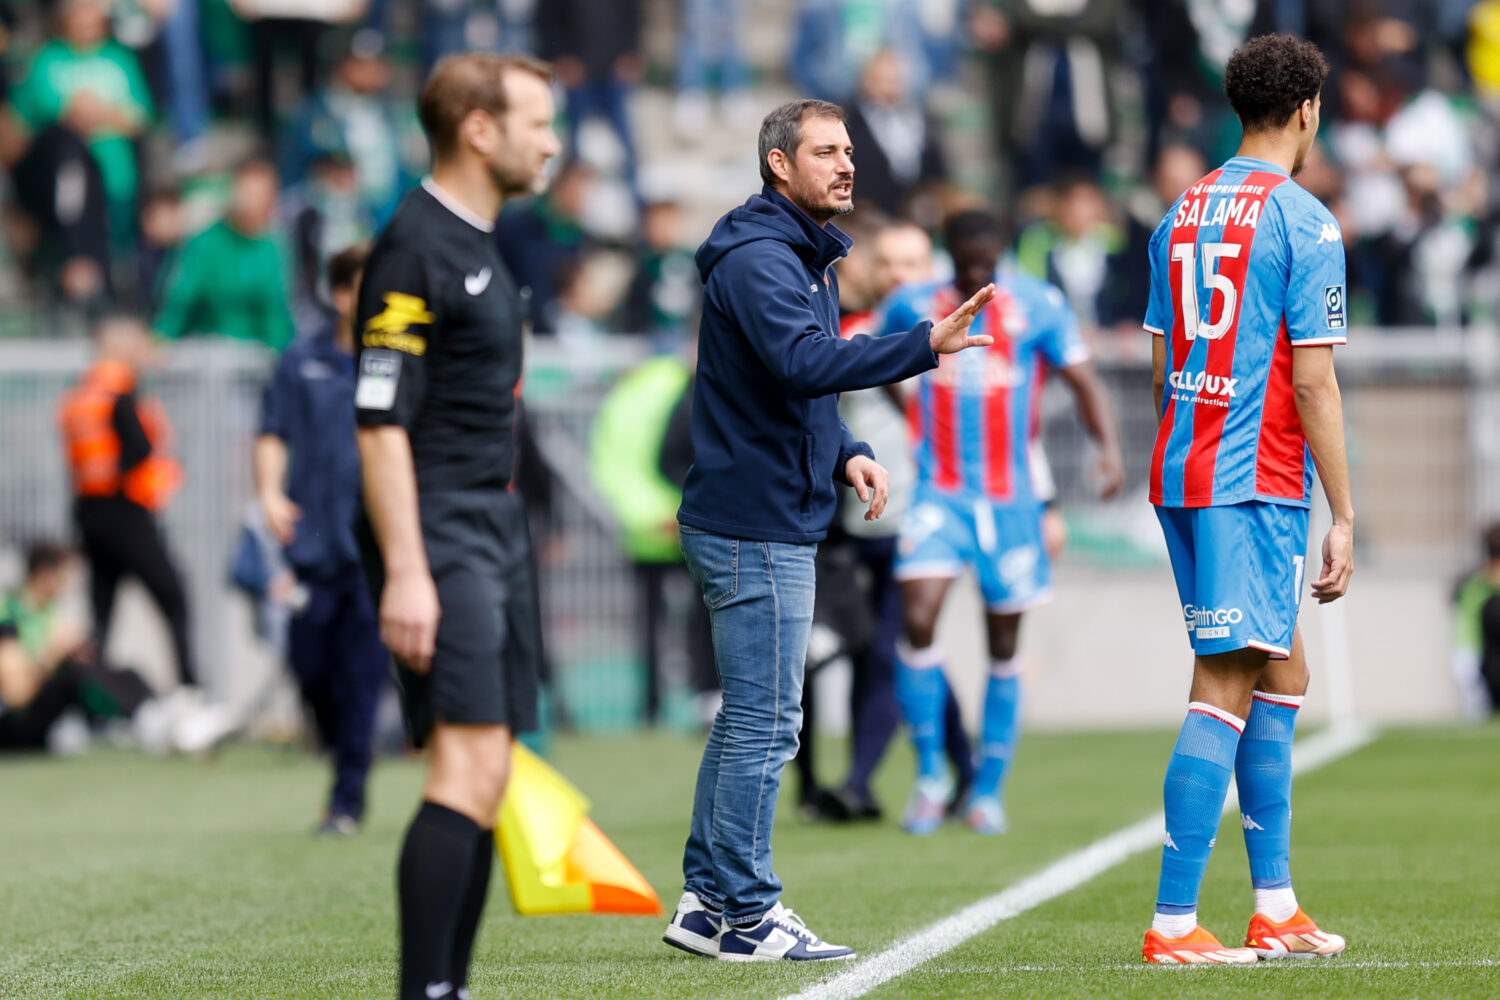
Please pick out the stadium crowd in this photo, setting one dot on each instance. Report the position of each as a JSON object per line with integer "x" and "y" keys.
{"x": 199, "y": 163}
{"x": 151, "y": 144}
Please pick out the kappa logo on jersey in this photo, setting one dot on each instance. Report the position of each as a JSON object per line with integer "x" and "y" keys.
{"x": 1168, "y": 842}
{"x": 1330, "y": 234}
{"x": 1248, "y": 823}
{"x": 389, "y": 327}
{"x": 1333, "y": 305}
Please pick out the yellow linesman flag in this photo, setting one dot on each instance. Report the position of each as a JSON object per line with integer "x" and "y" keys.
{"x": 556, "y": 859}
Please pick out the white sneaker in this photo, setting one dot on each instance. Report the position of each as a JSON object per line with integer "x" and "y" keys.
{"x": 205, "y": 728}
{"x": 695, "y": 927}
{"x": 780, "y": 935}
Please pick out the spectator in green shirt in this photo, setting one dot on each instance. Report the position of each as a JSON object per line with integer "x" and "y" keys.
{"x": 87, "y": 82}
{"x": 230, "y": 279}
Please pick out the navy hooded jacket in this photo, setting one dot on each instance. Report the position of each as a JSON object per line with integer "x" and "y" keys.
{"x": 767, "y": 438}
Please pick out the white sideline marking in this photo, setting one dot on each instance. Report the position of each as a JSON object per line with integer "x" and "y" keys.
{"x": 1331, "y": 963}
{"x": 1062, "y": 876}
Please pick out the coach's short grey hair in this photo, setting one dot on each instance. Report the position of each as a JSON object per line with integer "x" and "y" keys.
{"x": 782, "y": 129}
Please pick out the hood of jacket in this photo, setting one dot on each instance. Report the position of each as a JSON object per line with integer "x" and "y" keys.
{"x": 770, "y": 215}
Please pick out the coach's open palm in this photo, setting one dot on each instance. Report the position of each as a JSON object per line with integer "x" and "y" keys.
{"x": 1338, "y": 564}
{"x": 409, "y": 614}
{"x": 951, "y": 334}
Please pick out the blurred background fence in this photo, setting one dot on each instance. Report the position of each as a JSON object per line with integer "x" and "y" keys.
{"x": 1422, "y": 411}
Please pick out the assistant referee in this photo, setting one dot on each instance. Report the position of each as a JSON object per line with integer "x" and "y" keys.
{"x": 440, "y": 324}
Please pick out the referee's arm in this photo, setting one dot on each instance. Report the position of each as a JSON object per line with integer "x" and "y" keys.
{"x": 396, "y": 320}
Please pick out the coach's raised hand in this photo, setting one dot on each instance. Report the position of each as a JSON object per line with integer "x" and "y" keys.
{"x": 951, "y": 334}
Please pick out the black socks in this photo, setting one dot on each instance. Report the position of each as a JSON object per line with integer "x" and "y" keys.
{"x": 436, "y": 882}
{"x": 473, "y": 907}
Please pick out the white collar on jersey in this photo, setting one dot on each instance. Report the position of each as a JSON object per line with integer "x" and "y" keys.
{"x": 451, "y": 204}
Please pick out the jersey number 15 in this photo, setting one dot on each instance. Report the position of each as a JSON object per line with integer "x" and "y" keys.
{"x": 1192, "y": 323}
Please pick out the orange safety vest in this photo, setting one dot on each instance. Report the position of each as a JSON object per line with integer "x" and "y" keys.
{"x": 93, "y": 448}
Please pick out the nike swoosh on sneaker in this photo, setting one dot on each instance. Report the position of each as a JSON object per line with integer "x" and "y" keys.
{"x": 436, "y": 991}
{"x": 476, "y": 283}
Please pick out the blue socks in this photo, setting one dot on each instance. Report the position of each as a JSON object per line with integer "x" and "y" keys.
{"x": 1002, "y": 727}
{"x": 923, "y": 692}
{"x": 1263, "y": 770}
{"x": 1196, "y": 784}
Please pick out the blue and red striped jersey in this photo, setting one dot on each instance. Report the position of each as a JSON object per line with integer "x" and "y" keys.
{"x": 972, "y": 416}
{"x": 1245, "y": 267}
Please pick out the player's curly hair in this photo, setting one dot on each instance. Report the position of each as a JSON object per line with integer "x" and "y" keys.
{"x": 1269, "y": 77}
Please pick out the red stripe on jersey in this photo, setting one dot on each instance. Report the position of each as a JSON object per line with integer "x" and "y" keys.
{"x": 856, "y": 322}
{"x": 1282, "y": 453}
{"x": 1208, "y": 419}
{"x": 999, "y": 356}
{"x": 942, "y": 416}
{"x": 1178, "y": 344}
{"x": 944, "y": 435}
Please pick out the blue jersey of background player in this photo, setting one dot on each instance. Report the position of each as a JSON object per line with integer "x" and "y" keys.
{"x": 971, "y": 420}
{"x": 1246, "y": 303}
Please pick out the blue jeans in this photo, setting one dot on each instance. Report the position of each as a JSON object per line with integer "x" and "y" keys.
{"x": 760, "y": 603}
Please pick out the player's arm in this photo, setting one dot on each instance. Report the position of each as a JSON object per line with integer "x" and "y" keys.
{"x": 396, "y": 319}
{"x": 1320, "y": 408}
{"x": 1316, "y": 321}
{"x": 1064, "y": 348}
{"x": 1099, "y": 418}
{"x": 1158, "y": 372}
{"x": 409, "y": 610}
{"x": 1158, "y": 321}
{"x": 269, "y": 459}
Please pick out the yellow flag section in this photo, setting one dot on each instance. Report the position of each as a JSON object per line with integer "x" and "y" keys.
{"x": 556, "y": 859}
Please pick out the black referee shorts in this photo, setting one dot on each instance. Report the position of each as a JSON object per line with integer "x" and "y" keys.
{"x": 489, "y": 643}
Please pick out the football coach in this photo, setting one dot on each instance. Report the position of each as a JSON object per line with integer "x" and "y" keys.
{"x": 768, "y": 447}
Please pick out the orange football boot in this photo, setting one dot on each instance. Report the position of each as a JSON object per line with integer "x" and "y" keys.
{"x": 1295, "y": 937}
{"x": 1195, "y": 948}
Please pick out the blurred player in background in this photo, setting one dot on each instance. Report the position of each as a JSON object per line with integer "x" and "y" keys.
{"x": 898, "y": 254}
{"x": 118, "y": 443}
{"x": 1247, "y": 301}
{"x": 307, "y": 480}
{"x": 441, "y": 326}
{"x": 975, "y": 502}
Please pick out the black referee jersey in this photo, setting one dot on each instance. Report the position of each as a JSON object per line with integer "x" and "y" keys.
{"x": 441, "y": 327}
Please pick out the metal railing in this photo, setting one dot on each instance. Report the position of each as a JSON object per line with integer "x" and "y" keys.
{"x": 1424, "y": 428}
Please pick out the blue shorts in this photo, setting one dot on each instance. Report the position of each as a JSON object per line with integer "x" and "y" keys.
{"x": 1239, "y": 574}
{"x": 1003, "y": 542}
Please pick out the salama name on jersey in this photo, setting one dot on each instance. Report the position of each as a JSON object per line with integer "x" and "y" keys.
{"x": 1199, "y": 207}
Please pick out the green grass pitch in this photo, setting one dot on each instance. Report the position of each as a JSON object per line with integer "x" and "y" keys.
{"x": 122, "y": 876}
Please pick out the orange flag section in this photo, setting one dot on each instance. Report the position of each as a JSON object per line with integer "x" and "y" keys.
{"x": 556, "y": 859}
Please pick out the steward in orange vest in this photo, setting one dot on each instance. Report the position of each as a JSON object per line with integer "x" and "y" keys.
{"x": 116, "y": 446}
{"x": 99, "y": 459}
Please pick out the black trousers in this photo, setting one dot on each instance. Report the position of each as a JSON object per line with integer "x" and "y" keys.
{"x": 99, "y": 690}
{"x": 59, "y": 186}
{"x": 652, "y": 581}
{"x": 121, "y": 539}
